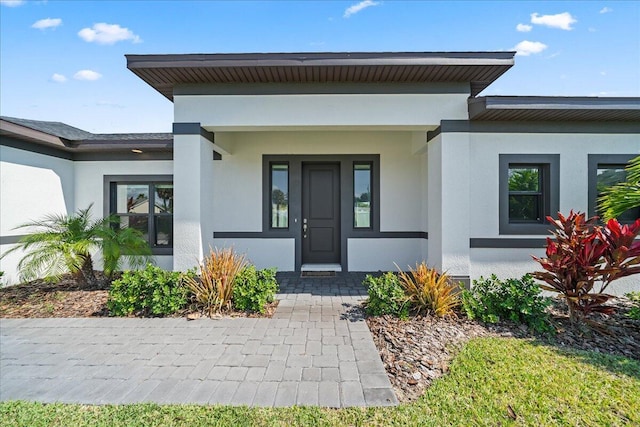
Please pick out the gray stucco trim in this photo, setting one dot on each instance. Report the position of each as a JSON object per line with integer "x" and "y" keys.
{"x": 106, "y": 199}
{"x": 10, "y": 240}
{"x": 192, "y": 129}
{"x": 551, "y": 191}
{"x": 601, "y": 159}
{"x": 321, "y": 88}
{"x": 124, "y": 153}
{"x": 35, "y": 148}
{"x": 468, "y": 126}
{"x": 295, "y": 198}
{"x": 502, "y": 243}
{"x": 274, "y": 234}
{"x": 127, "y": 155}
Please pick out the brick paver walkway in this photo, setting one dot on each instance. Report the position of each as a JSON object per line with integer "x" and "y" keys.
{"x": 316, "y": 350}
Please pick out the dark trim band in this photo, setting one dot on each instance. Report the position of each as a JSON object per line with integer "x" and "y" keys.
{"x": 10, "y": 240}
{"x": 107, "y": 156}
{"x": 535, "y": 127}
{"x": 285, "y": 234}
{"x": 320, "y": 88}
{"x": 192, "y": 129}
{"x": 507, "y": 243}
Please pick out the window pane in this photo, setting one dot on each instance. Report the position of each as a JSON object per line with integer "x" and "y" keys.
{"x": 524, "y": 179}
{"x": 164, "y": 230}
{"x": 609, "y": 176}
{"x": 138, "y": 222}
{"x": 279, "y": 196}
{"x": 362, "y": 195}
{"x": 163, "y": 198}
{"x": 524, "y": 208}
{"x": 132, "y": 198}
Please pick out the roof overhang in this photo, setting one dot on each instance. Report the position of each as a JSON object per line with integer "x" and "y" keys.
{"x": 164, "y": 72}
{"x": 98, "y": 144}
{"x": 540, "y": 108}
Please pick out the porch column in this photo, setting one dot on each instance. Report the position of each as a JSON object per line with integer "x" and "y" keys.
{"x": 193, "y": 194}
{"x": 448, "y": 204}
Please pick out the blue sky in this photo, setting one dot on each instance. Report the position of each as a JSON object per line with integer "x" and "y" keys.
{"x": 64, "y": 60}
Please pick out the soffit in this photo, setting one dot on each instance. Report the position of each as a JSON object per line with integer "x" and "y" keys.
{"x": 164, "y": 72}
{"x": 533, "y": 108}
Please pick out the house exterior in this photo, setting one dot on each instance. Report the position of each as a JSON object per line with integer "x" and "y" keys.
{"x": 338, "y": 161}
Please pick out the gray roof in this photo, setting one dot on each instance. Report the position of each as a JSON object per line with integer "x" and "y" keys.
{"x": 61, "y": 130}
{"x": 130, "y": 137}
{"x": 164, "y": 72}
{"x": 554, "y": 108}
{"x": 73, "y": 134}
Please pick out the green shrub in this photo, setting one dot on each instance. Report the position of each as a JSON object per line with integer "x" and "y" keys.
{"x": 254, "y": 289}
{"x": 518, "y": 300}
{"x": 386, "y": 296}
{"x": 634, "y": 313}
{"x": 152, "y": 291}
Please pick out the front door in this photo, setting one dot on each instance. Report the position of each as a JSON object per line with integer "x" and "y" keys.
{"x": 320, "y": 213}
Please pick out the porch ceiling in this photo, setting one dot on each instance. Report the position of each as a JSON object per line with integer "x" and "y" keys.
{"x": 552, "y": 108}
{"x": 164, "y": 72}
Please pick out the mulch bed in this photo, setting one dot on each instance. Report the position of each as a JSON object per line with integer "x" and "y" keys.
{"x": 417, "y": 351}
{"x": 70, "y": 298}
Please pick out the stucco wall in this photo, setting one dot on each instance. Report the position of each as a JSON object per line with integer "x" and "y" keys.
{"x": 237, "y": 192}
{"x": 89, "y": 188}
{"x": 238, "y": 177}
{"x": 484, "y": 177}
{"x": 31, "y": 185}
{"x": 236, "y": 112}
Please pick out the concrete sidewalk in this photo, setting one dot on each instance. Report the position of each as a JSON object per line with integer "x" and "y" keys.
{"x": 316, "y": 350}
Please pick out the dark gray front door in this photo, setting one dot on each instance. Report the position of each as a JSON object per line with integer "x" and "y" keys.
{"x": 320, "y": 213}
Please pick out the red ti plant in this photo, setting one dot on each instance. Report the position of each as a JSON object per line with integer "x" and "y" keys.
{"x": 583, "y": 254}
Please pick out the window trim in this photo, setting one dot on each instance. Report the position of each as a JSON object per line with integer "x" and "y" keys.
{"x": 108, "y": 199}
{"x": 550, "y": 166}
{"x": 372, "y": 206}
{"x": 594, "y": 160}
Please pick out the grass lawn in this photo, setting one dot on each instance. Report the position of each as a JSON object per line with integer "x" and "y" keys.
{"x": 493, "y": 381}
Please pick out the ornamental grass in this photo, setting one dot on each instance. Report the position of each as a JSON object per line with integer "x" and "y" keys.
{"x": 429, "y": 291}
{"x": 214, "y": 289}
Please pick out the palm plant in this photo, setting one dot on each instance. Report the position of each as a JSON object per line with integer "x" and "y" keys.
{"x": 59, "y": 244}
{"x": 623, "y": 196}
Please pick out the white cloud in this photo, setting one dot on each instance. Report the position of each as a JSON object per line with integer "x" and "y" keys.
{"x": 562, "y": 21}
{"x": 88, "y": 75}
{"x": 606, "y": 10}
{"x": 103, "y": 33}
{"x": 353, "y": 9}
{"x": 43, "y": 24}
{"x": 592, "y": 30}
{"x": 526, "y": 48}
{"x": 603, "y": 73}
{"x": 12, "y": 3}
{"x": 58, "y": 78}
{"x": 524, "y": 28}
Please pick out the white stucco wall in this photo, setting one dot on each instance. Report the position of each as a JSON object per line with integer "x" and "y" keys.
{"x": 237, "y": 192}
{"x": 484, "y": 178}
{"x": 236, "y": 112}
{"x": 263, "y": 253}
{"x": 31, "y": 185}
{"x": 574, "y": 150}
{"x": 381, "y": 254}
{"x": 238, "y": 177}
{"x": 89, "y": 188}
